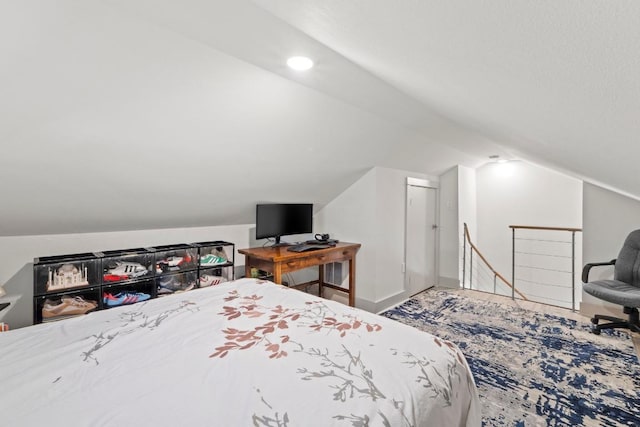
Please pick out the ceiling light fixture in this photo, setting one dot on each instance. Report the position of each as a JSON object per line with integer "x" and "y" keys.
{"x": 300, "y": 63}
{"x": 497, "y": 159}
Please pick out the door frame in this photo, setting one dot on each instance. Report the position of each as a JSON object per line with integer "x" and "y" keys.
{"x": 434, "y": 185}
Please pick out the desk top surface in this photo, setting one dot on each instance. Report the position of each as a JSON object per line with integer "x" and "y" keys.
{"x": 281, "y": 253}
{"x": 11, "y": 300}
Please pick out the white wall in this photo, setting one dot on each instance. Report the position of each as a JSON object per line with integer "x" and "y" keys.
{"x": 17, "y": 254}
{"x": 607, "y": 220}
{"x": 467, "y": 208}
{"x": 448, "y": 215}
{"x": 520, "y": 193}
{"x": 372, "y": 212}
{"x": 457, "y": 207}
{"x": 391, "y": 192}
{"x": 467, "y": 199}
{"x": 351, "y": 217}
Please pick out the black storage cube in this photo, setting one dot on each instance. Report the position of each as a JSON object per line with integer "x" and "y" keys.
{"x": 58, "y": 306}
{"x": 167, "y": 284}
{"x": 214, "y": 276}
{"x": 65, "y": 272}
{"x": 127, "y": 293}
{"x": 174, "y": 258}
{"x": 126, "y": 265}
{"x": 215, "y": 254}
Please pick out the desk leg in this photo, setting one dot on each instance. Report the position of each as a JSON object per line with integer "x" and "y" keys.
{"x": 247, "y": 267}
{"x": 352, "y": 282}
{"x": 320, "y": 280}
{"x": 277, "y": 273}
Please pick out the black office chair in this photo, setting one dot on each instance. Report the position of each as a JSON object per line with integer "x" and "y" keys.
{"x": 624, "y": 289}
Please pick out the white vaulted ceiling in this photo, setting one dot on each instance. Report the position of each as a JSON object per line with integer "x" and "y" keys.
{"x": 137, "y": 114}
{"x": 555, "y": 81}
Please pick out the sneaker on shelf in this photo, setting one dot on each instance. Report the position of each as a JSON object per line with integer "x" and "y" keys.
{"x": 213, "y": 259}
{"x": 67, "y": 306}
{"x": 173, "y": 263}
{"x": 209, "y": 280}
{"x": 124, "y": 298}
{"x": 123, "y": 270}
{"x": 169, "y": 285}
{"x": 106, "y": 297}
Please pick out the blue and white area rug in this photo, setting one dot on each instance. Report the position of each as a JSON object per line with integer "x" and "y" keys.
{"x": 534, "y": 369}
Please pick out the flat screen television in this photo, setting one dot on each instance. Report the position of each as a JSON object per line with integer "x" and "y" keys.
{"x": 282, "y": 219}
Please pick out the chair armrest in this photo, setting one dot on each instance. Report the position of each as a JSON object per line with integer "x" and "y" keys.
{"x": 587, "y": 268}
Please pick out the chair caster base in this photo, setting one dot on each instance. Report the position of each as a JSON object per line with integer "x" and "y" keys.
{"x": 594, "y": 320}
{"x": 595, "y": 331}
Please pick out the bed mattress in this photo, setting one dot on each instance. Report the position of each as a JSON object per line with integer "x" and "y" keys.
{"x": 241, "y": 353}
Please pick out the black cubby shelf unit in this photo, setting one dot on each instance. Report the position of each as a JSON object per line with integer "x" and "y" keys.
{"x": 73, "y": 285}
{"x": 127, "y": 265}
{"x": 171, "y": 283}
{"x": 127, "y": 276}
{"x": 66, "y": 286}
{"x": 216, "y": 260}
{"x": 176, "y": 268}
{"x": 65, "y": 272}
{"x": 174, "y": 258}
{"x": 125, "y": 293}
{"x": 63, "y": 305}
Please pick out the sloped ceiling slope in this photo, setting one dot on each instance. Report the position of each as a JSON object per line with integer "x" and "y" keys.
{"x": 131, "y": 115}
{"x": 556, "y": 82}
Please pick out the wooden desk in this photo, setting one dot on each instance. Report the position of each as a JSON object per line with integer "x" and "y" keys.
{"x": 278, "y": 261}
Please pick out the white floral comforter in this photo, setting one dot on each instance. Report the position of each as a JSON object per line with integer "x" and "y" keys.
{"x": 239, "y": 354}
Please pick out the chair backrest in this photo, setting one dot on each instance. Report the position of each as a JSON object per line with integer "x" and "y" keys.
{"x": 627, "y": 267}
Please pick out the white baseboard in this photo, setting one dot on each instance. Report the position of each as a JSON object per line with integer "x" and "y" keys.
{"x": 383, "y": 304}
{"x": 448, "y": 282}
{"x": 589, "y": 309}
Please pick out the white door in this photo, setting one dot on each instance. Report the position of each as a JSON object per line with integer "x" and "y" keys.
{"x": 420, "y": 253}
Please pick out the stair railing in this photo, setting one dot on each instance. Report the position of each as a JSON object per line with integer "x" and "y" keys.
{"x": 545, "y": 260}
{"x": 496, "y": 275}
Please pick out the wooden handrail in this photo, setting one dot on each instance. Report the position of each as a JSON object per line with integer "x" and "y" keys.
{"x": 506, "y": 282}
{"x": 532, "y": 227}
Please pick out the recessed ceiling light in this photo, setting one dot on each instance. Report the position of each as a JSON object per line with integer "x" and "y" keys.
{"x": 300, "y": 63}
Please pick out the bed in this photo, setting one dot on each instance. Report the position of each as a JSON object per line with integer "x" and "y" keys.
{"x": 241, "y": 353}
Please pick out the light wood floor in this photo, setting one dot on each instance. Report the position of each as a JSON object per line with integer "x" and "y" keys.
{"x": 538, "y": 307}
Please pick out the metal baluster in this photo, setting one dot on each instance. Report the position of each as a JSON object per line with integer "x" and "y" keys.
{"x": 573, "y": 271}
{"x": 513, "y": 263}
{"x": 471, "y": 268}
{"x": 464, "y": 256}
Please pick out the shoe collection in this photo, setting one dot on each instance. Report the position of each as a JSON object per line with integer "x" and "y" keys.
{"x": 123, "y": 298}
{"x": 67, "y": 306}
